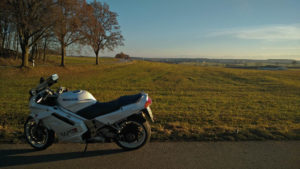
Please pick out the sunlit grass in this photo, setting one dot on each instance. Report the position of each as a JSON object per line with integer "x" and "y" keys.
{"x": 189, "y": 102}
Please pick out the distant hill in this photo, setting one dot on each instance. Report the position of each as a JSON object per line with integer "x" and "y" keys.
{"x": 224, "y": 61}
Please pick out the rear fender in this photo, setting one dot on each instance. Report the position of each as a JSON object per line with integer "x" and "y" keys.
{"x": 148, "y": 113}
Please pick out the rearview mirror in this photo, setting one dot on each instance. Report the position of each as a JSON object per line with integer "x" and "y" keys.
{"x": 42, "y": 80}
{"x": 54, "y": 77}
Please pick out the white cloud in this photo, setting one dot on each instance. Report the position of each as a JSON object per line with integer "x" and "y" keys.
{"x": 269, "y": 33}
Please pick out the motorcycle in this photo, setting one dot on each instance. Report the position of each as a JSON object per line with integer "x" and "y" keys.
{"x": 76, "y": 116}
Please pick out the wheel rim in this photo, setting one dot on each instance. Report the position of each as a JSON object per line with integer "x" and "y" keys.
{"x": 133, "y": 134}
{"x": 36, "y": 135}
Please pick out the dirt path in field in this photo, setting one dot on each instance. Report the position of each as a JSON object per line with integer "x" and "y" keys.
{"x": 240, "y": 155}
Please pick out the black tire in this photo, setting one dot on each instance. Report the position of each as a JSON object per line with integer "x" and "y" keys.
{"x": 49, "y": 134}
{"x": 146, "y": 128}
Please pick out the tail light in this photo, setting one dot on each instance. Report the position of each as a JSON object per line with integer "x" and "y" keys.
{"x": 148, "y": 102}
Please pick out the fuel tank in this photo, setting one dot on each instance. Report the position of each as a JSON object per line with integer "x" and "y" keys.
{"x": 76, "y": 100}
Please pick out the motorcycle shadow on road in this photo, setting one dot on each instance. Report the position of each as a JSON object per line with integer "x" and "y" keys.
{"x": 17, "y": 157}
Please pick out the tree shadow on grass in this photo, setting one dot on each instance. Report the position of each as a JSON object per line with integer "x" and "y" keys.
{"x": 9, "y": 158}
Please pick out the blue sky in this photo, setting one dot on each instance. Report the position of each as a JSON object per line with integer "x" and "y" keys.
{"x": 252, "y": 29}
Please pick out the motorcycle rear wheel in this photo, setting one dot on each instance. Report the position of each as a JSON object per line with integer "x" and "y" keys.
{"x": 38, "y": 136}
{"x": 134, "y": 134}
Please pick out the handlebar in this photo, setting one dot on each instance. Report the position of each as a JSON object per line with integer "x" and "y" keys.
{"x": 44, "y": 84}
{"x": 42, "y": 96}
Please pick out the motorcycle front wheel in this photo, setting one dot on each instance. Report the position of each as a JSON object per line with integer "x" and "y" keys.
{"x": 38, "y": 136}
{"x": 134, "y": 134}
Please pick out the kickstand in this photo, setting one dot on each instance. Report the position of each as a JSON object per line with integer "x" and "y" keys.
{"x": 86, "y": 145}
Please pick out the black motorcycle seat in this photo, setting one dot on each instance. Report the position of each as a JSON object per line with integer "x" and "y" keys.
{"x": 100, "y": 108}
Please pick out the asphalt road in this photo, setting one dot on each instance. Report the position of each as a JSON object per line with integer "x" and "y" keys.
{"x": 206, "y": 155}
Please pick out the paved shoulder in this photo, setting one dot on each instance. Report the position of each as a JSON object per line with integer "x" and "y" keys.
{"x": 269, "y": 154}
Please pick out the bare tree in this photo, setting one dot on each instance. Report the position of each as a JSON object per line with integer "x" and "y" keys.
{"x": 8, "y": 34}
{"x": 5, "y": 23}
{"x": 32, "y": 18}
{"x": 101, "y": 28}
{"x": 67, "y": 24}
{"x": 16, "y": 45}
{"x": 48, "y": 38}
{"x": 4, "y": 31}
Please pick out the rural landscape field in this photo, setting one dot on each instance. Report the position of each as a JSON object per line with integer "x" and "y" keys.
{"x": 189, "y": 102}
{"x": 221, "y": 78}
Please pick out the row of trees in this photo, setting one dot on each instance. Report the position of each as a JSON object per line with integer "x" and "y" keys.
{"x": 42, "y": 24}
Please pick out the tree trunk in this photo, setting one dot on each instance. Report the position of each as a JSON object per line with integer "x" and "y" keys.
{"x": 33, "y": 51}
{"x": 25, "y": 54}
{"x": 97, "y": 56}
{"x": 97, "y": 59}
{"x": 5, "y": 34}
{"x": 38, "y": 52}
{"x": 44, "y": 54}
{"x": 17, "y": 52}
{"x": 8, "y": 41}
{"x": 16, "y": 46}
{"x": 44, "y": 51}
{"x": 63, "y": 53}
{"x": 3, "y": 40}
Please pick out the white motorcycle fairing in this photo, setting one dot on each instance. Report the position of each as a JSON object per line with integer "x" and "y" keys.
{"x": 69, "y": 126}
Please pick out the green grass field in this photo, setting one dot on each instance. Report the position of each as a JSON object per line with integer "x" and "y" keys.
{"x": 189, "y": 102}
